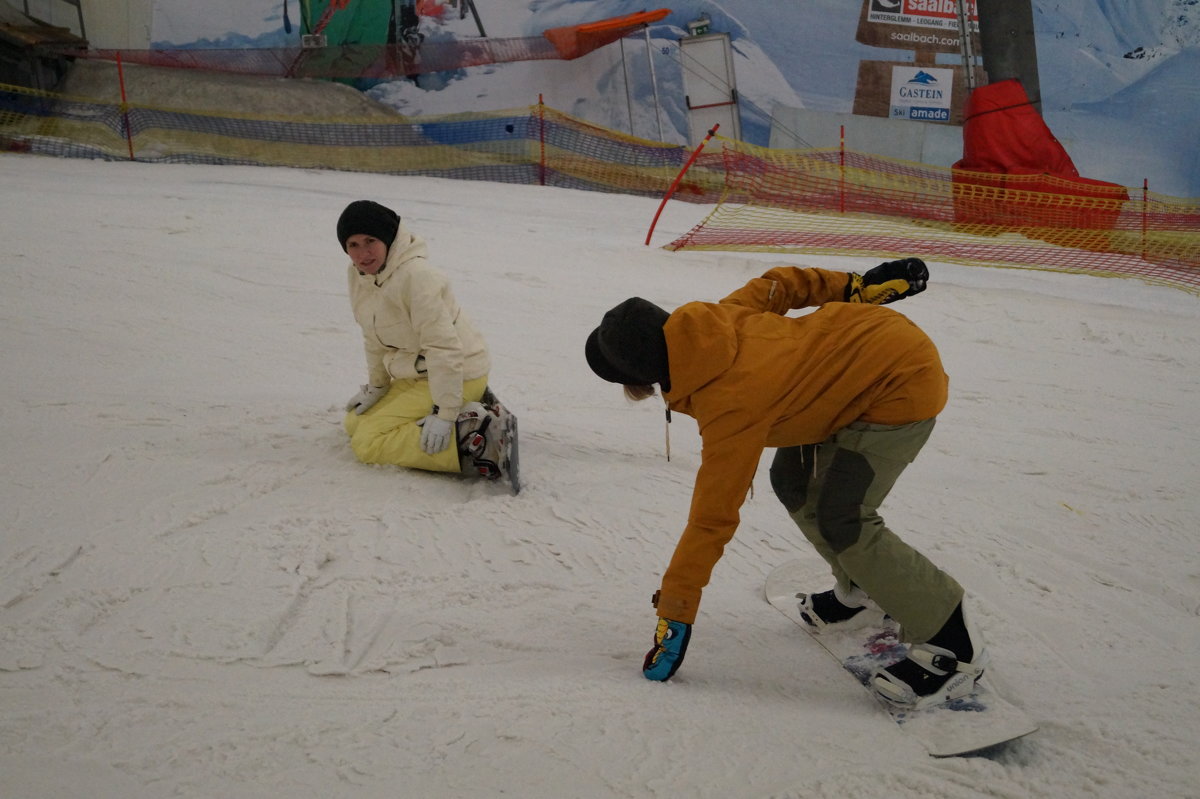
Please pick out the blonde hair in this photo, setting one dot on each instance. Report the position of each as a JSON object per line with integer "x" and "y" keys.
{"x": 638, "y": 393}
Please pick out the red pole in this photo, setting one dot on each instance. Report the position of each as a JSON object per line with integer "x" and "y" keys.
{"x": 1145, "y": 211}
{"x": 678, "y": 178}
{"x": 124, "y": 106}
{"x": 542, "y": 139}
{"x": 842, "y": 170}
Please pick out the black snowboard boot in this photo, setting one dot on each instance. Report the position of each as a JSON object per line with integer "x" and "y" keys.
{"x": 833, "y": 610}
{"x": 941, "y": 669}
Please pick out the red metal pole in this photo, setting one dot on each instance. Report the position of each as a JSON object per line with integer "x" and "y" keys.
{"x": 542, "y": 140}
{"x": 1145, "y": 211}
{"x": 678, "y": 178}
{"x": 842, "y": 169}
{"x": 125, "y": 106}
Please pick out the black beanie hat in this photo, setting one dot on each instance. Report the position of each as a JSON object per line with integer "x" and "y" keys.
{"x": 629, "y": 346}
{"x": 369, "y": 217}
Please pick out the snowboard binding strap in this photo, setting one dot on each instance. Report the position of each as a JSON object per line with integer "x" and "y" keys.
{"x": 939, "y": 661}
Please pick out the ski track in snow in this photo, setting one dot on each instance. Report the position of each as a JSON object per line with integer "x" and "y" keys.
{"x": 203, "y": 594}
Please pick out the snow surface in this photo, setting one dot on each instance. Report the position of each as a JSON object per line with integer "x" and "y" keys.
{"x": 203, "y": 594}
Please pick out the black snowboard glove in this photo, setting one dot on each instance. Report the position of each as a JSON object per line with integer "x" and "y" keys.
{"x": 888, "y": 282}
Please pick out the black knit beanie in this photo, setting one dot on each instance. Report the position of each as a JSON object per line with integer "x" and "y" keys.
{"x": 370, "y": 218}
{"x": 629, "y": 346}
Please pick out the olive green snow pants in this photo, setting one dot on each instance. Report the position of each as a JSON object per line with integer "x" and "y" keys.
{"x": 833, "y": 491}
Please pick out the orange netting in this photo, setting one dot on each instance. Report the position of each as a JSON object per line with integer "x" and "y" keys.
{"x": 833, "y": 201}
{"x": 824, "y": 201}
{"x": 529, "y": 145}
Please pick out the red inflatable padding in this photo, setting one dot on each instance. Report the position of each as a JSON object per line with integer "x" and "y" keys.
{"x": 1036, "y": 185}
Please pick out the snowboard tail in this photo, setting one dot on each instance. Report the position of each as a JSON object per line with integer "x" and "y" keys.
{"x": 509, "y": 465}
{"x": 980, "y": 720}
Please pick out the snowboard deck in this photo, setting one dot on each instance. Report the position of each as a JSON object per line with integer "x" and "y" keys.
{"x": 512, "y": 463}
{"x": 981, "y": 720}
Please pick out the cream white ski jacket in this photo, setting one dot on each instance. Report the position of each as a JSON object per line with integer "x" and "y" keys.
{"x": 413, "y": 328}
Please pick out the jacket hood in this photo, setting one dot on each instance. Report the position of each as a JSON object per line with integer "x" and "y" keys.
{"x": 701, "y": 343}
{"x": 404, "y": 249}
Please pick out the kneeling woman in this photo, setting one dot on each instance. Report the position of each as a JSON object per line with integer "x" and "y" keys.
{"x": 427, "y": 365}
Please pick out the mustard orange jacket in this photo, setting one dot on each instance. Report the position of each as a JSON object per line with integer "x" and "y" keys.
{"x": 753, "y": 377}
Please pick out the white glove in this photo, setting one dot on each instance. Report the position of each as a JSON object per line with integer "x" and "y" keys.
{"x": 365, "y": 398}
{"x": 435, "y": 433}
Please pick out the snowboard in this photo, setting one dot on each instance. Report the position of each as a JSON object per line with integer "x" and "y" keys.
{"x": 511, "y": 465}
{"x": 981, "y": 720}
{"x": 510, "y": 462}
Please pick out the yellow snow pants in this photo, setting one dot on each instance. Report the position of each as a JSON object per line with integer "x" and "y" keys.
{"x": 388, "y": 433}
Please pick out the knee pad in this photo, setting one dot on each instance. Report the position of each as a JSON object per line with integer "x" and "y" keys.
{"x": 839, "y": 511}
{"x": 791, "y": 470}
